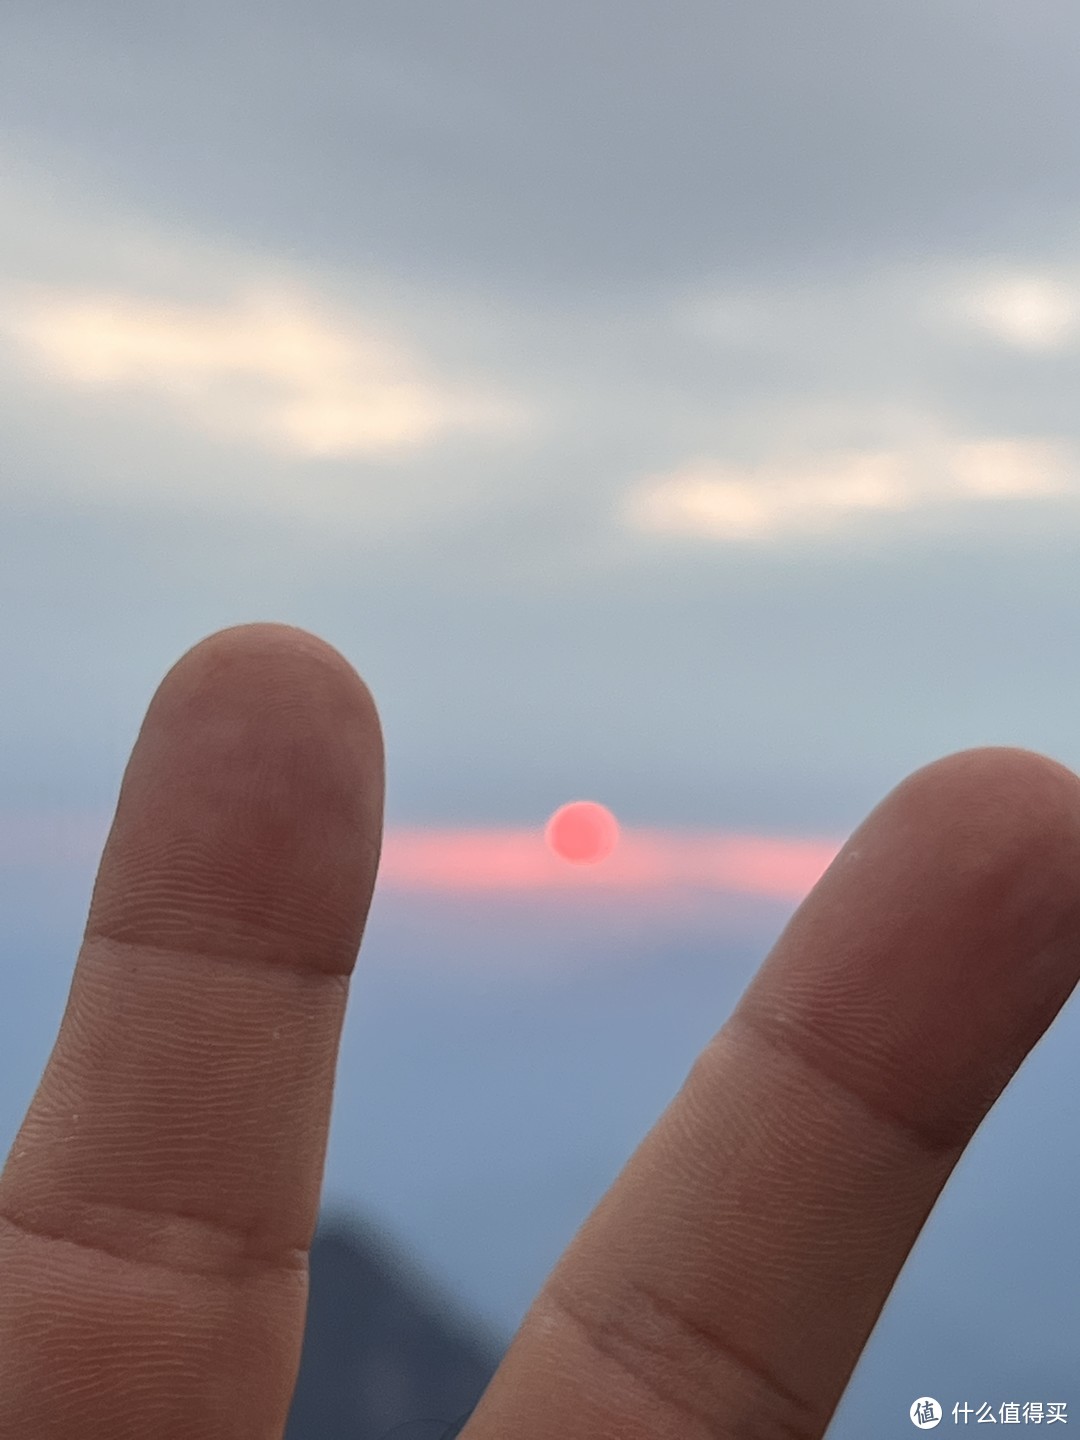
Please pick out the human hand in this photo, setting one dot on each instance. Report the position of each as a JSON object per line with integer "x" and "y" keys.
{"x": 159, "y": 1200}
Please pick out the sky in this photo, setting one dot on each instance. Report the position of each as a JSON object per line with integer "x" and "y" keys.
{"x": 666, "y": 405}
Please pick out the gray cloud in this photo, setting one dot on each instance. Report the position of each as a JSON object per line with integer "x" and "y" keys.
{"x": 570, "y": 148}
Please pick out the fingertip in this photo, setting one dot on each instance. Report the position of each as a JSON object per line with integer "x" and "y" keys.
{"x": 1030, "y": 782}
{"x": 252, "y": 800}
{"x": 261, "y": 642}
{"x": 941, "y": 942}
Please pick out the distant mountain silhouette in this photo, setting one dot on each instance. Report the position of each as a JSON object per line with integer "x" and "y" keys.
{"x": 385, "y": 1356}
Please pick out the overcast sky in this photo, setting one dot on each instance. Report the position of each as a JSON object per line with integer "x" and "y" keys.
{"x": 670, "y": 405}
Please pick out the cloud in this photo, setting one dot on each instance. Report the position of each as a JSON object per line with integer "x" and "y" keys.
{"x": 270, "y": 365}
{"x": 709, "y": 498}
{"x": 1025, "y": 309}
{"x": 859, "y": 444}
{"x": 291, "y": 376}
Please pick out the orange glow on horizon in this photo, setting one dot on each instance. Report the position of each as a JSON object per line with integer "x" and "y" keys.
{"x": 510, "y": 860}
{"x": 507, "y": 860}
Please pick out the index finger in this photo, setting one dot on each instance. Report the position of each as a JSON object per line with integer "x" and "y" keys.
{"x": 726, "y": 1284}
{"x": 160, "y": 1198}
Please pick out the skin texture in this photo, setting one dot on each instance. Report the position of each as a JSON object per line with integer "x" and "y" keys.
{"x": 159, "y": 1201}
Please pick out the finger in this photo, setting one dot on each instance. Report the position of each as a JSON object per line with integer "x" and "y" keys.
{"x": 727, "y": 1283}
{"x": 160, "y": 1198}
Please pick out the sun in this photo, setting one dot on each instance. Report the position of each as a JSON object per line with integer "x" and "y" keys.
{"x": 582, "y": 832}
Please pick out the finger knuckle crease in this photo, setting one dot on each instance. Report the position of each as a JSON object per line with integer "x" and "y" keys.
{"x": 662, "y": 1349}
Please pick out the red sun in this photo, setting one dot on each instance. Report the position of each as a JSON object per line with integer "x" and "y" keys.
{"x": 582, "y": 832}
